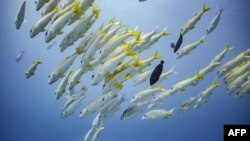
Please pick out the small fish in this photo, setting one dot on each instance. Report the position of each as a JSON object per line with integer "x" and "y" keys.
{"x": 19, "y": 56}
{"x": 20, "y": 15}
{"x": 214, "y": 22}
{"x": 156, "y": 74}
{"x": 75, "y": 78}
{"x": 50, "y": 6}
{"x": 158, "y": 114}
{"x": 110, "y": 109}
{"x": 178, "y": 44}
{"x": 221, "y": 55}
{"x": 161, "y": 98}
{"x": 233, "y": 63}
{"x": 194, "y": 20}
{"x": 62, "y": 86}
{"x": 72, "y": 107}
{"x": 32, "y": 68}
{"x": 185, "y": 106}
{"x": 96, "y": 135}
{"x": 134, "y": 110}
{"x": 146, "y": 94}
{"x": 190, "y": 47}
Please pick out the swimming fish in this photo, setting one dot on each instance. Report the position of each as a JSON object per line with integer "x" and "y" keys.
{"x": 75, "y": 78}
{"x": 96, "y": 104}
{"x": 32, "y": 68}
{"x": 156, "y": 74}
{"x": 190, "y": 47}
{"x": 186, "y": 105}
{"x": 189, "y": 25}
{"x": 50, "y": 6}
{"x": 133, "y": 110}
{"x": 158, "y": 114}
{"x": 40, "y": 25}
{"x": 20, "y": 15}
{"x": 214, "y": 22}
{"x": 178, "y": 44}
{"x": 222, "y": 54}
{"x": 233, "y": 63}
{"x": 146, "y": 94}
{"x": 40, "y": 3}
{"x": 62, "y": 86}
{"x": 60, "y": 69}
{"x": 110, "y": 109}
{"x": 164, "y": 76}
{"x": 19, "y": 56}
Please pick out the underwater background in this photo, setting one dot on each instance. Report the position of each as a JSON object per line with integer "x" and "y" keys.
{"x": 29, "y": 111}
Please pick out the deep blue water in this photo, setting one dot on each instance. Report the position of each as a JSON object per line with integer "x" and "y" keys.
{"x": 29, "y": 111}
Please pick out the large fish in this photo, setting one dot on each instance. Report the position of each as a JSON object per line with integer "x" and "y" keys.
{"x": 156, "y": 74}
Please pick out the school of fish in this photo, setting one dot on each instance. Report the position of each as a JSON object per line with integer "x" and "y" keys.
{"x": 112, "y": 53}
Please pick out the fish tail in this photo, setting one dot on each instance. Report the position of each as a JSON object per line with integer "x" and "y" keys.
{"x": 138, "y": 63}
{"x": 199, "y": 76}
{"x": 138, "y": 38}
{"x": 171, "y": 112}
{"x": 172, "y": 70}
{"x": 77, "y": 9}
{"x": 205, "y": 9}
{"x": 202, "y": 40}
{"x": 229, "y": 47}
{"x": 112, "y": 21}
{"x": 165, "y": 32}
{"x": 96, "y": 11}
{"x": 215, "y": 84}
{"x": 156, "y": 55}
{"x": 133, "y": 32}
{"x": 118, "y": 85}
{"x": 127, "y": 77}
{"x": 79, "y": 51}
{"x": 128, "y": 51}
{"x": 39, "y": 61}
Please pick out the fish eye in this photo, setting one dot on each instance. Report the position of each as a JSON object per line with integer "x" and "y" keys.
{"x": 103, "y": 99}
{"x": 81, "y": 112}
{"x": 92, "y": 76}
{"x": 86, "y": 44}
{"x": 103, "y": 85}
{"x": 46, "y": 33}
{"x": 30, "y": 30}
{"x": 68, "y": 38}
{"x": 100, "y": 51}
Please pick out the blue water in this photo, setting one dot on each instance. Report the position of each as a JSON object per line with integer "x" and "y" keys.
{"x": 29, "y": 111}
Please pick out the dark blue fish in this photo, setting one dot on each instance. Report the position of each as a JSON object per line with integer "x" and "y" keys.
{"x": 156, "y": 74}
{"x": 178, "y": 44}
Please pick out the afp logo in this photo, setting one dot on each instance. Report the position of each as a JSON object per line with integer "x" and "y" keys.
{"x": 236, "y": 132}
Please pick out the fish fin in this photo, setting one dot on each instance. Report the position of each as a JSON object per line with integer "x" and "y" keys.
{"x": 127, "y": 77}
{"x": 77, "y": 8}
{"x": 229, "y": 47}
{"x": 215, "y": 84}
{"x": 89, "y": 66}
{"x": 132, "y": 32}
{"x": 70, "y": 72}
{"x": 39, "y": 61}
{"x": 183, "y": 89}
{"x": 202, "y": 40}
{"x": 118, "y": 85}
{"x": 138, "y": 63}
{"x": 198, "y": 76}
{"x": 172, "y": 45}
{"x": 172, "y": 70}
{"x": 128, "y": 51}
{"x": 112, "y": 21}
{"x": 156, "y": 55}
{"x": 165, "y": 32}
{"x": 138, "y": 38}
{"x": 171, "y": 112}
{"x": 205, "y": 9}
{"x": 79, "y": 51}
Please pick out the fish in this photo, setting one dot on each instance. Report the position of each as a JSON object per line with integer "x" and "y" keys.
{"x": 227, "y": 67}
{"x": 19, "y": 56}
{"x": 158, "y": 114}
{"x": 96, "y": 104}
{"x": 40, "y": 25}
{"x": 75, "y": 78}
{"x": 164, "y": 76}
{"x": 160, "y": 98}
{"x": 144, "y": 76}
{"x": 200, "y": 101}
{"x": 214, "y": 22}
{"x": 236, "y": 83}
{"x": 110, "y": 65}
{"x": 59, "y": 71}
{"x": 79, "y": 30}
{"x": 71, "y": 98}
{"x": 190, "y": 47}
{"x": 72, "y": 107}
{"x": 133, "y": 110}
{"x": 20, "y": 15}
{"x": 50, "y": 6}
{"x": 40, "y": 3}
{"x": 96, "y": 136}
{"x": 146, "y": 94}
{"x": 178, "y": 44}
{"x": 186, "y": 105}
{"x": 156, "y": 74}
{"x": 110, "y": 109}
{"x": 181, "y": 86}
{"x": 62, "y": 86}
{"x": 222, "y": 54}
{"x": 243, "y": 90}
{"x": 32, "y": 68}
{"x": 190, "y": 24}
